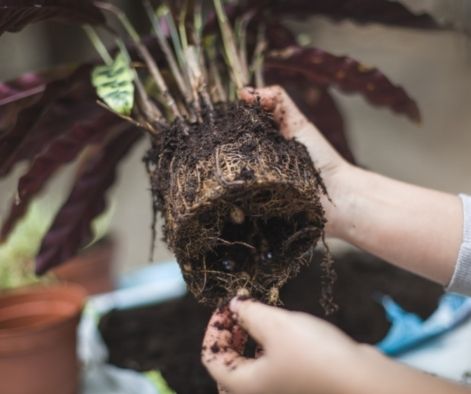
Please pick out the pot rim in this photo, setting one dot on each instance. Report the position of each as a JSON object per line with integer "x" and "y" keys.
{"x": 67, "y": 298}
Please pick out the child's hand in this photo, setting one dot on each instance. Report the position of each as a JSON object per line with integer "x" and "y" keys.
{"x": 293, "y": 124}
{"x": 301, "y": 354}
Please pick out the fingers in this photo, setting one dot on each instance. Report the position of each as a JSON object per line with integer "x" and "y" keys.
{"x": 223, "y": 348}
{"x": 274, "y": 99}
{"x": 261, "y": 321}
{"x": 224, "y": 340}
{"x": 267, "y": 97}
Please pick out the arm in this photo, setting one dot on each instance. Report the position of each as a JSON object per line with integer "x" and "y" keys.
{"x": 412, "y": 227}
{"x": 304, "y": 355}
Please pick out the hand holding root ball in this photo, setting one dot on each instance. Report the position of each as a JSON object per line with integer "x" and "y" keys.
{"x": 289, "y": 340}
{"x": 293, "y": 124}
{"x": 301, "y": 354}
{"x": 393, "y": 220}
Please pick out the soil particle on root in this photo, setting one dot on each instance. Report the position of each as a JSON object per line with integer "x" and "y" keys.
{"x": 168, "y": 337}
{"x": 241, "y": 204}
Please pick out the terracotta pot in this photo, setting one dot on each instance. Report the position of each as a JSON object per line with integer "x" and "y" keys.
{"x": 38, "y": 340}
{"x": 93, "y": 269}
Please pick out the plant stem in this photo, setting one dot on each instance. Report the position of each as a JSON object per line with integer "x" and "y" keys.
{"x": 219, "y": 91}
{"x": 98, "y": 44}
{"x": 173, "y": 35}
{"x": 151, "y": 112}
{"x": 230, "y": 47}
{"x": 168, "y": 53}
{"x": 182, "y": 26}
{"x": 197, "y": 77}
{"x": 198, "y": 24}
{"x": 146, "y": 56}
{"x": 123, "y": 19}
{"x": 241, "y": 31}
{"x": 259, "y": 58}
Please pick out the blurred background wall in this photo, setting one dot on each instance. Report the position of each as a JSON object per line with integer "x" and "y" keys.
{"x": 435, "y": 67}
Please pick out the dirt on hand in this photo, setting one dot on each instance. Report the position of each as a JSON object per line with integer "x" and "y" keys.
{"x": 168, "y": 336}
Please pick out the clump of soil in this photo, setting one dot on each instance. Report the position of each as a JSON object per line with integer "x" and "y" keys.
{"x": 168, "y": 336}
{"x": 241, "y": 204}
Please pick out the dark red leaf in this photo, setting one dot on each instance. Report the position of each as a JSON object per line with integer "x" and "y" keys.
{"x": 22, "y": 92}
{"x": 71, "y": 229}
{"x": 316, "y": 103}
{"x": 25, "y": 86}
{"x": 278, "y": 36}
{"x": 59, "y": 152}
{"x": 17, "y": 94}
{"x": 33, "y": 117}
{"x": 16, "y": 14}
{"x": 320, "y": 108}
{"x": 363, "y": 11}
{"x": 324, "y": 70}
{"x": 327, "y": 116}
{"x": 60, "y": 117}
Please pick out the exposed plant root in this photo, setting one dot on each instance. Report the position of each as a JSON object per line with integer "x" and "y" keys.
{"x": 241, "y": 204}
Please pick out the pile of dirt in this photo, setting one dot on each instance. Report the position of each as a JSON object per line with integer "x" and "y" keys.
{"x": 168, "y": 336}
{"x": 239, "y": 202}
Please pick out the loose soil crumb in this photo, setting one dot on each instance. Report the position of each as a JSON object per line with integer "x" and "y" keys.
{"x": 215, "y": 348}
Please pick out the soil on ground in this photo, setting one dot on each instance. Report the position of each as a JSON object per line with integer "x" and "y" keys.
{"x": 168, "y": 336}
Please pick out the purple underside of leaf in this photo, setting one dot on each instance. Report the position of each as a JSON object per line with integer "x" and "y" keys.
{"x": 16, "y": 14}
{"x": 17, "y": 94}
{"x": 316, "y": 103}
{"x": 60, "y": 118}
{"x": 23, "y": 91}
{"x": 279, "y": 36}
{"x": 363, "y": 11}
{"x": 322, "y": 110}
{"x": 71, "y": 229}
{"x": 25, "y": 86}
{"x": 325, "y": 70}
{"x": 59, "y": 152}
{"x": 73, "y": 88}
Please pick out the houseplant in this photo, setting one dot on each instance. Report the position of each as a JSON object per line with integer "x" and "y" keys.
{"x": 92, "y": 268}
{"x": 38, "y": 319}
{"x": 201, "y": 136}
{"x": 38, "y": 338}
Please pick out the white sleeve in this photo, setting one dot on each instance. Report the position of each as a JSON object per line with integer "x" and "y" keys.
{"x": 461, "y": 280}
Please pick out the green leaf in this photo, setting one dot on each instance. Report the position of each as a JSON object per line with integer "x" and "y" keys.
{"x": 159, "y": 382}
{"x": 114, "y": 84}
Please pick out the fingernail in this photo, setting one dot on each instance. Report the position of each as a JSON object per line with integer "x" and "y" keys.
{"x": 250, "y": 90}
{"x": 234, "y": 305}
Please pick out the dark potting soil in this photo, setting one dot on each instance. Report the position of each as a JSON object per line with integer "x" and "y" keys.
{"x": 239, "y": 201}
{"x": 168, "y": 336}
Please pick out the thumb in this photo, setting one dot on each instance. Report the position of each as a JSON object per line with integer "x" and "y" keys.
{"x": 275, "y": 100}
{"x": 267, "y": 97}
{"x": 261, "y": 321}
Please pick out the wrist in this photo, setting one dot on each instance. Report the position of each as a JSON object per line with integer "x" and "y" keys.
{"x": 355, "y": 371}
{"x": 368, "y": 364}
{"x": 343, "y": 186}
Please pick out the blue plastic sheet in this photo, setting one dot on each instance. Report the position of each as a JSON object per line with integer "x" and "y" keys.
{"x": 409, "y": 330}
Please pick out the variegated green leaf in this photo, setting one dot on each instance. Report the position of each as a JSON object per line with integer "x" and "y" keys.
{"x": 114, "y": 84}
